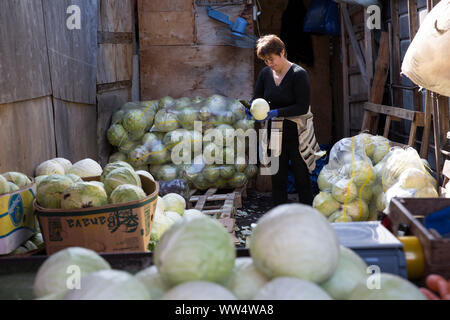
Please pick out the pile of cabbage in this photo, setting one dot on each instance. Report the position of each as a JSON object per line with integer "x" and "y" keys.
{"x": 13, "y": 181}
{"x": 63, "y": 187}
{"x": 364, "y": 173}
{"x": 161, "y": 136}
{"x": 195, "y": 259}
{"x": 169, "y": 209}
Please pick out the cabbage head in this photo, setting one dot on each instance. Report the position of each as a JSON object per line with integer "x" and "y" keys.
{"x": 49, "y": 167}
{"x": 117, "y": 135}
{"x": 121, "y": 176}
{"x": 325, "y": 203}
{"x": 86, "y": 168}
{"x": 166, "y": 121}
{"x": 134, "y": 121}
{"x": 350, "y": 271}
{"x": 12, "y": 187}
{"x": 109, "y": 285}
{"x": 74, "y": 177}
{"x": 310, "y": 246}
{"x": 114, "y": 165}
{"x": 391, "y": 287}
{"x": 195, "y": 249}
{"x": 17, "y": 178}
{"x": 53, "y": 275}
{"x": 174, "y": 202}
{"x": 151, "y": 279}
{"x": 66, "y": 164}
{"x": 50, "y": 190}
{"x": 83, "y": 195}
{"x": 245, "y": 280}
{"x": 198, "y": 290}
{"x": 288, "y": 288}
{"x": 4, "y": 186}
{"x": 344, "y": 191}
{"x": 127, "y": 193}
{"x": 186, "y": 117}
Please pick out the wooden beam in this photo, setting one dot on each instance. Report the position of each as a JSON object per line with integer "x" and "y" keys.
{"x": 368, "y": 46}
{"x": 412, "y": 18}
{"x": 345, "y": 84}
{"x": 437, "y": 143}
{"x": 396, "y": 79}
{"x": 426, "y": 130}
{"x": 443, "y": 112}
{"x": 381, "y": 70}
{"x": 355, "y": 45}
{"x": 393, "y": 111}
{"x": 413, "y": 27}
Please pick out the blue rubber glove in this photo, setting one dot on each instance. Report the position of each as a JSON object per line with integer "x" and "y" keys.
{"x": 249, "y": 115}
{"x": 270, "y": 115}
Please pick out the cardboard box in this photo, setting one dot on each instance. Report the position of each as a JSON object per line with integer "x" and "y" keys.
{"x": 17, "y": 218}
{"x": 112, "y": 228}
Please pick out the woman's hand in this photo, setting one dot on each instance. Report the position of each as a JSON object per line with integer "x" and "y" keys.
{"x": 248, "y": 113}
{"x": 270, "y": 115}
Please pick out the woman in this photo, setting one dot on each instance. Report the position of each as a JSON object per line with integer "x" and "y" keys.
{"x": 285, "y": 86}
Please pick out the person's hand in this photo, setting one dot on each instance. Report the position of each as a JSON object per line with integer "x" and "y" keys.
{"x": 270, "y": 115}
{"x": 249, "y": 115}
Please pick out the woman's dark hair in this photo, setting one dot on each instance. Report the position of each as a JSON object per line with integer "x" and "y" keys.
{"x": 269, "y": 44}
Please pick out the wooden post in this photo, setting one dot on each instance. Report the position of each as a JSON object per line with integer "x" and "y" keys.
{"x": 413, "y": 27}
{"x": 355, "y": 45}
{"x": 345, "y": 84}
{"x": 426, "y": 130}
{"x": 437, "y": 144}
{"x": 368, "y": 44}
{"x": 396, "y": 53}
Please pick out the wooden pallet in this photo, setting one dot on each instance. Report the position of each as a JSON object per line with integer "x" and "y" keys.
{"x": 222, "y": 206}
{"x": 215, "y": 194}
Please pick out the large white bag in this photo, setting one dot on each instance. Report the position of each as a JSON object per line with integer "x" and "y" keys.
{"x": 427, "y": 60}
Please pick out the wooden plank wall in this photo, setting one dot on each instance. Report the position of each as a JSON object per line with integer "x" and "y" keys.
{"x": 115, "y": 65}
{"x": 52, "y": 98}
{"x": 181, "y": 55}
{"x": 26, "y": 112}
{"x": 73, "y": 60}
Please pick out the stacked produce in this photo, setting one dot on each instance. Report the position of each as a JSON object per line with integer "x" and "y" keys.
{"x": 363, "y": 175}
{"x": 193, "y": 139}
{"x": 13, "y": 181}
{"x": 34, "y": 243}
{"x": 196, "y": 259}
{"x": 63, "y": 187}
{"x": 169, "y": 209}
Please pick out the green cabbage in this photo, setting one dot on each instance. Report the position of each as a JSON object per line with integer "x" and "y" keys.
{"x": 151, "y": 279}
{"x": 121, "y": 176}
{"x": 245, "y": 280}
{"x": 310, "y": 246}
{"x": 109, "y": 285}
{"x": 198, "y": 290}
{"x": 17, "y": 178}
{"x": 52, "y": 276}
{"x": 195, "y": 249}
{"x": 50, "y": 190}
{"x": 83, "y": 195}
{"x": 127, "y": 193}
{"x": 288, "y": 288}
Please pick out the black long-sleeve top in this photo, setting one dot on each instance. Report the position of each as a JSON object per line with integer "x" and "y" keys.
{"x": 291, "y": 97}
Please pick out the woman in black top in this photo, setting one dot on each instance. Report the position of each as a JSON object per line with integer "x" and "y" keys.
{"x": 285, "y": 86}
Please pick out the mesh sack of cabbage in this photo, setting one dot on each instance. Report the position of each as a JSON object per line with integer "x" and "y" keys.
{"x": 405, "y": 175}
{"x": 201, "y": 140}
{"x": 350, "y": 184}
